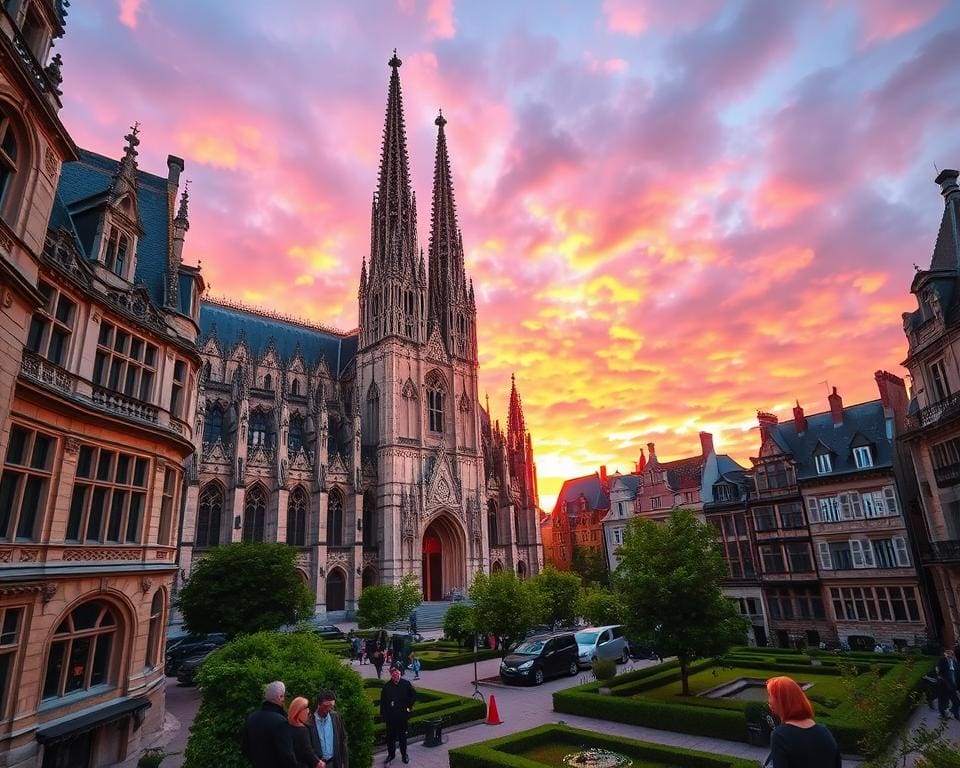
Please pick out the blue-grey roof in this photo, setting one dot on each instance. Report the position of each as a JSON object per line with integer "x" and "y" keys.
{"x": 90, "y": 177}
{"x": 630, "y": 482}
{"x": 231, "y": 324}
{"x": 591, "y": 488}
{"x": 863, "y": 422}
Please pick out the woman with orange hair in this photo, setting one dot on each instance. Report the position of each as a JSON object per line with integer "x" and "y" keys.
{"x": 298, "y": 714}
{"x": 798, "y": 742}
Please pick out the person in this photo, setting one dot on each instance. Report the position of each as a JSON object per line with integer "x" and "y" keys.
{"x": 414, "y": 665}
{"x": 799, "y": 741}
{"x": 396, "y": 704}
{"x": 357, "y": 647}
{"x": 267, "y": 741}
{"x": 378, "y": 658}
{"x": 328, "y": 736}
{"x": 367, "y": 650}
{"x": 931, "y": 688}
{"x": 298, "y": 714}
{"x": 948, "y": 677}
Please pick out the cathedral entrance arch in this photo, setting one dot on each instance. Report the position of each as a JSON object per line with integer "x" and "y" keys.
{"x": 444, "y": 559}
{"x": 336, "y": 590}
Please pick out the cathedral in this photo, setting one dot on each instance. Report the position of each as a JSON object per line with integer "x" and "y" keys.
{"x": 368, "y": 450}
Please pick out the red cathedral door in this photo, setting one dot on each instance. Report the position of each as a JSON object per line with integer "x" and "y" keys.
{"x": 432, "y": 567}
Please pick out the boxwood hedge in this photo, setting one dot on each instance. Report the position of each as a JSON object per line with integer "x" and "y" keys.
{"x": 430, "y": 705}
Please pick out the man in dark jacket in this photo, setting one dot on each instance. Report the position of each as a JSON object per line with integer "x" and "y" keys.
{"x": 328, "y": 737}
{"x": 396, "y": 704}
{"x": 948, "y": 677}
{"x": 267, "y": 739}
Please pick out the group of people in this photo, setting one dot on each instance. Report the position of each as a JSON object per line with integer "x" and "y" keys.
{"x": 275, "y": 736}
{"x": 295, "y": 736}
{"x": 376, "y": 651}
{"x": 943, "y": 684}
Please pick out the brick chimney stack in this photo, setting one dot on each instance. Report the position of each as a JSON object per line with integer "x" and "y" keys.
{"x": 767, "y": 422}
{"x": 651, "y": 452}
{"x": 603, "y": 477}
{"x": 893, "y": 394}
{"x": 836, "y": 407}
{"x": 706, "y": 444}
{"x": 799, "y": 419}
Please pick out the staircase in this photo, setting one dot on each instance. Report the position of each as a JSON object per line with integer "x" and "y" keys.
{"x": 429, "y": 616}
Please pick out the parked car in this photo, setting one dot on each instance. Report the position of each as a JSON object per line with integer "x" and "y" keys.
{"x": 324, "y": 631}
{"x": 602, "y": 643}
{"x": 190, "y": 646}
{"x": 537, "y": 658}
{"x": 188, "y": 667}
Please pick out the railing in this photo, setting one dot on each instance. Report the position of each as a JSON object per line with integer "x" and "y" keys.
{"x": 947, "y": 551}
{"x": 946, "y": 408}
{"x": 948, "y": 475}
{"x": 38, "y": 368}
{"x": 31, "y": 64}
{"x": 125, "y": 406}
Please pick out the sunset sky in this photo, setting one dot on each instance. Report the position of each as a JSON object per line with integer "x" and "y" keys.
{"x": 674, "y": 213}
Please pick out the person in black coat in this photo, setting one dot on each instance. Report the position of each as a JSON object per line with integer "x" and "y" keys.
{"x": 396, "y": 704}
{"x": 948, "y": 679}
{"x": 377, "y": 658}
{"x": 267, "y": 741}
{"x": 298, "y": 716}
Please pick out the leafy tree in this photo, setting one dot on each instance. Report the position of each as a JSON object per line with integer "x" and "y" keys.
{"x": 408, "y": 595}
{"x": 458, "y": 623}
{"x": 560, "y": 590}
{"x": 244, "y": 588}
{"x": 600, "y": 606}
{"x": 505, "y": 606}
{"x": 377, "y": 607}
{"x": 590, "y": 565}
{"x": 669, "y": 583}
{"x": 231, "y": 685}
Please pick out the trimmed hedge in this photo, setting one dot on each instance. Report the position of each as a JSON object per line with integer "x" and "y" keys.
{"x": 430, "y": 705}
{"x": 452, "y": 655}
{"x": 506, "y": 752}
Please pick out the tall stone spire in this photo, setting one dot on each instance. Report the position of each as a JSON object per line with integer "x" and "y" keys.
{"x": 450, "y": 309}
{"x": 516, "y": 428}
{"x": 393, "y": 293}
{"x": 125, "y": 178}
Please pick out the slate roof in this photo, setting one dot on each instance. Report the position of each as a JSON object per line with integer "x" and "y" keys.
{"x": 865, "y": 419}
{"x": 630, "y": 482}
{"x": 90, "y": 177}
{"x": 591, "y": 488}
{"x": 231, "y": 324}
{"x": 683, "y": 474}
{"x": 946, "y": 251}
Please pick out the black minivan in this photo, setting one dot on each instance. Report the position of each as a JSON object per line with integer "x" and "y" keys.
{"x": 540, "y": 657}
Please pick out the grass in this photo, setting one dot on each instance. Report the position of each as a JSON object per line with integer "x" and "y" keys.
{"x": 552, "y": 754}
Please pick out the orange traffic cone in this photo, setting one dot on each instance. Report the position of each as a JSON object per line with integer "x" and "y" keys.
{"x": 493, "y": 717}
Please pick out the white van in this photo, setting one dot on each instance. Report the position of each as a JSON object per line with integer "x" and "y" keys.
{"x": 602, "y": 643}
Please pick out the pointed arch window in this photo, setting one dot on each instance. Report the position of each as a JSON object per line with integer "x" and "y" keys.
{"x": 268, "y": 382}
{"x": 297, "y": 506}
{"x": 409, "y": 308}
{"x": 118, "y": 248}
{"x": 10, "y": 159}
{"x": 254, "y": 514}
{"x": 83, "y": 652}
{"x": 493, "y": 533}
{"x": 369, "y": 521}
{"x": 257, "y": 435}
{"x": 295, "y": 387}
{"x": 372, "y": 431}
{"x": 435, "y": 405}
{"x": 213, "y": 423}
{"x": 209, "y": 514}
{"x": 335, "y": 519}
{"x": 153, "y": 635}
{"x": 295, "y": 433}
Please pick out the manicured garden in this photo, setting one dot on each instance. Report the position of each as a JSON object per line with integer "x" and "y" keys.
{"x": 447, "y": 653}
{"x": 430, "y": 705}
{"x": 548, "y": 745}
{"x": 651, "y": 697}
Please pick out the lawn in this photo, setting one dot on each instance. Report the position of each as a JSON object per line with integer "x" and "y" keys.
{"x": 430, "y": 705}
{"x": 446, "y": 653}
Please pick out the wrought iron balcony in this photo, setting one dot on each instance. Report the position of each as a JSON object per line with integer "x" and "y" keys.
{"x": 947, "y": 551}
{"x": 932, "y": 414}
{"x": 947, "y": 476}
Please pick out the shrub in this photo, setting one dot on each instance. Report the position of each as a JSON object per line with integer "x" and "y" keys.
{"x": 231, "y": 685}
{"x": 458, "y": 623}
{"x": 430, "y": 705}
{"x": 377, "y": 607}
{"x": 604, "y": 669}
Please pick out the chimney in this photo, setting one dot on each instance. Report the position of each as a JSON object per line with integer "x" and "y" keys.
{"x": 947, "y": 179}
{"x": 799, "y": 419}
{"x": 603, "y": 476}
{"x": 651, "y": 452}
{"x": 893, "y": 395}
{"x": 641, "y": 465}
{"x": 174, "y": 169}
{"x": 706, "y": 444}
{"x": 767, "y": 422}
{"x": 836, "y": 407}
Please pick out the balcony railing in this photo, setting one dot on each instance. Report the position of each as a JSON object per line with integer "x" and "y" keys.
{"x": 947, "y": 551}
{"x": 947, "y": 476}
{"x": 946, "y": 408}
{"x": 123, "y": 405}
{"x": 40, "y": 369}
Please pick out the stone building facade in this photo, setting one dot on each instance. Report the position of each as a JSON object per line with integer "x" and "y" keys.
{"x": 98, "y": 374}
{"x": 369, "y": 450}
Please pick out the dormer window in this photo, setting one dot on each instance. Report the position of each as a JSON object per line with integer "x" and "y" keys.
{"x": 115, "y": 256}
{"x": 723, "y": 492}
{"x": 863, "y": 456}
{"x": 824, "y": 464}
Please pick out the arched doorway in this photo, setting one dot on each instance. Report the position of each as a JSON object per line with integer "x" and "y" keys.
{"x": 521, "y": 570}
{"x": 497, "y": 567}
{"x": 369, "y": 577}
{"x": 336, "y": 590}
{"x": 444, "y": 558}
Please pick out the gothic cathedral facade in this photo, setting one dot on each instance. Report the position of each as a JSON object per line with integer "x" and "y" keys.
{"x": 368, "y": 450}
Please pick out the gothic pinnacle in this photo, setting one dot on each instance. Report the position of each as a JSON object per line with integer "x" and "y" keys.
{"x": 395, "y": 62}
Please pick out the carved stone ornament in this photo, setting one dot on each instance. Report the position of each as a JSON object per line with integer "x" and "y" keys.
{"x": 49, "y": 590}
{"x": 435, "y": 350}
{"x": 71, "y": 445}
{"x": 6, "y": 242}
{"x": 337, "y": 556}
{"x": 337, "y": 467}
{"x": 145, "y": 584}
{"x": 50, "y": 162}
{"x": 409, "y": 389}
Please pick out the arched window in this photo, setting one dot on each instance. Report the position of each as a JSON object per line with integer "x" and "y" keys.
{"x": 336, "y": 590}
{"x": 82, "y": 651}
{"x": 295, "y": 433}
{"x": 369, "y": 521}
{"x": 153, "y": 637}
{"x": 335, "y": 519}
{"x": 497, "y": 567}
{"x": 435, "y": 405}
{"x": 521, "y": 570}
{"x": 9, "y": 156}
{"x": 297, "y": 506}
{"x": 213, "y": 424}
{"x": 209, "y": 512}
{"x": 295, "y": 387}
{"x": 254, "y": 514}
{"x": 372, "y": 426}
{"x": 268, "y": 381}
{"x": 409, "y": 316}
{"x": 257, "y": 434}
{"x": 493, "y": 533}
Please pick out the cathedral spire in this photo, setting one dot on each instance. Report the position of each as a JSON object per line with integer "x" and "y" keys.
{"x": 516, "y": 428}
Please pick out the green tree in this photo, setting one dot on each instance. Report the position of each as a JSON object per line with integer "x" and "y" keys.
{"x": 377, "y": 607}
{"x": 244, "y": 588}
{"x": 560, "y": 591}
{"x": 231, "y": 685}
{"x": 408, "y": 595}
{"x": 669, "y": 583}
{"x": 590, "y": 565}
{"x": 600, "y": 606}
{"x": 505, "y": 606}
{"x": 458, "y": 623}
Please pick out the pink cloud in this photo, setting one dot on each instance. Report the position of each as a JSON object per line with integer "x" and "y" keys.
{"x": 440, "y": 16}
{"x": 883, "y": 20}
{"x": 128, "y": 12}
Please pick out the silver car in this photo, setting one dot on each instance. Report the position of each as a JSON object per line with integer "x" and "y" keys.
{"x": 602, "y": 643}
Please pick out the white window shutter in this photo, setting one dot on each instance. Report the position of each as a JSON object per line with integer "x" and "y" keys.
{"x": 845, "y": 512}
{"x": 900, "y": 546}
{"x": 855, "y": 504}
{"x": 869, "y": 561}
{"x": 856, "y": 553}
{"x": 813, "y": 512}
{"x": 890, "y": 496}
{"x": 826, "y": 562}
